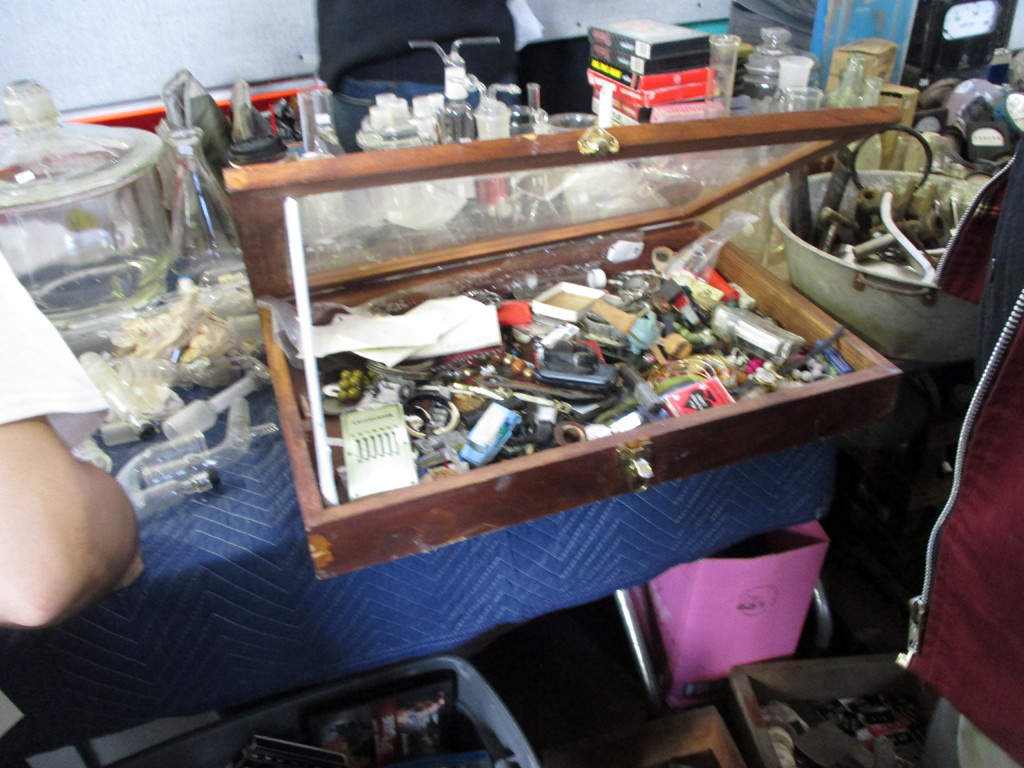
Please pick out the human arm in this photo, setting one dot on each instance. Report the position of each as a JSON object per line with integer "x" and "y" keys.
{"x": 68, "y": 534}
{"x": 67, "y": 530}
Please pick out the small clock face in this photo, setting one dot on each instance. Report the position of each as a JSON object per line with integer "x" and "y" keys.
{"x": 965, "y": 20}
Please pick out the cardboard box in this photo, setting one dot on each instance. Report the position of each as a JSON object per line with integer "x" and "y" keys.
{"x": 881, "y": 60}
{"x": 748, "y": 604}
{"x": 566, "y": 301}
{"x": 754, "y": 685}
{"x": 690, "y": 732}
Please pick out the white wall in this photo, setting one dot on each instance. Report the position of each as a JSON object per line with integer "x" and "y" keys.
{"x": 571, "y": 18}
{"x": 110, "y": 52}
{"x": 94, "y": 53}
{"x": 101, "y": 52}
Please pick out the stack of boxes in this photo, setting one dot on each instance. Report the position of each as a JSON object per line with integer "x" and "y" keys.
{"x": 659, "y": 72}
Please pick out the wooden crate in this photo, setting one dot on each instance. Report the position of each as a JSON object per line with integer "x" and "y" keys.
{"x": 752, "y": 685}
{"x": 375, "y": 529}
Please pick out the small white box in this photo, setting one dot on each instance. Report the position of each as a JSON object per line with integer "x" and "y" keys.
{"x": 566, "y": 301}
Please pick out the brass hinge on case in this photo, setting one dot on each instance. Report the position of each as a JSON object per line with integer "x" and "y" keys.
{"x": 635, "y": 464}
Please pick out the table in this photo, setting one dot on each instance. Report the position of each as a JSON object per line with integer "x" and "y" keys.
{"x": 229, "y": 611}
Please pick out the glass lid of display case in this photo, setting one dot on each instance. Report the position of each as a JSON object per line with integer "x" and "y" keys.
{"x": 369, "y": 216}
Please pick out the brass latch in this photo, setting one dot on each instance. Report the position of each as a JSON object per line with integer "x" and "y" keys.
{"x": 597, "y": 141}
{"x": 635, "y": 464}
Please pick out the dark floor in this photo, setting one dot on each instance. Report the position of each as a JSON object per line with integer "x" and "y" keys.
{"x": 570, "y": 675}
{"x": 567, "y": 675}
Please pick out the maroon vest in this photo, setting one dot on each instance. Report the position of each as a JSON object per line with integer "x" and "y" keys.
{"x": 970, "y": 646}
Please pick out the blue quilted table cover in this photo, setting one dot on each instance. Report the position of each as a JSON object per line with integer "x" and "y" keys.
{"x": 228, "y": 610}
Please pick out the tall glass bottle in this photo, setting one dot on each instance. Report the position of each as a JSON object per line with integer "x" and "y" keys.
{"x": 204, "y": 241}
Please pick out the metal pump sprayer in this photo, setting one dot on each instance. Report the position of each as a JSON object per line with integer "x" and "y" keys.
{"x": 456, "y": 121}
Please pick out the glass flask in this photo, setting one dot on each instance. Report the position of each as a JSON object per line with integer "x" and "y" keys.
{"x": 81, "y": 219}
{"x": 204, "y": 240}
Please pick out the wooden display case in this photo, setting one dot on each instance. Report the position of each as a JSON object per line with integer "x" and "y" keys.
{"x": 369, "y": 229}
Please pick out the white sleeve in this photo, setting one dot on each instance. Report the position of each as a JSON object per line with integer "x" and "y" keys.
{"x": 39, "y": 374}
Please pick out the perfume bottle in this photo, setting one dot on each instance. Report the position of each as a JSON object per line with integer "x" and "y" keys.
{"x": 203, "y": 234}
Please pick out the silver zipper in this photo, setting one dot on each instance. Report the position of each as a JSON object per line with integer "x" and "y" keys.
{"x": 919, "y": 605}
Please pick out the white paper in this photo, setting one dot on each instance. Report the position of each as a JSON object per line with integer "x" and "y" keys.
{"x": 349, "y": 333}
{"x": 436, "y": 327}
{"x": 478, "y": 330}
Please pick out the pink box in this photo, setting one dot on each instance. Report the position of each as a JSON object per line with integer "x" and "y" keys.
{"x": 744, "y": 605}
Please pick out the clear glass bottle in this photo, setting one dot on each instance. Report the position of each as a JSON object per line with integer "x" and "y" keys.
{"x": 319, "y": 138}
{"x": 203, "y": 235}
{"x": 851, "y": 83}
{"x": 457, "y": 121}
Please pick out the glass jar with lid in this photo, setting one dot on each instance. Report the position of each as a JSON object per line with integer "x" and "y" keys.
{"x": 761, "y": 70}
{"x": 81, "y": 219}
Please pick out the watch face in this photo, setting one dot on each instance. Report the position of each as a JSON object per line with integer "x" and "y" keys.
{"x": 971, "y": 19}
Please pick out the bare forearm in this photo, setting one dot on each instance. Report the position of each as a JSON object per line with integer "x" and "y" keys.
{"x": 68, "y": 534}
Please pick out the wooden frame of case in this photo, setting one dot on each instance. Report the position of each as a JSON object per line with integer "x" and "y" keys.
{"x": 398, "y": 523}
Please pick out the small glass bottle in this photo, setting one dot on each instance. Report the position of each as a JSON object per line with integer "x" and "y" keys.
{"x": 203, "y": 234}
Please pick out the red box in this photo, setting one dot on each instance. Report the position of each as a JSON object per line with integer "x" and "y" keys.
{"x": 698, "y": 396}
{"x": 735, "y": 608}
{"x": 666, "y": 95}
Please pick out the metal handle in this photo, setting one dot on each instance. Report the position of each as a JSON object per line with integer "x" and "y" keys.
{"x": 904, "y": 242}
{"x": 927, "y": 293}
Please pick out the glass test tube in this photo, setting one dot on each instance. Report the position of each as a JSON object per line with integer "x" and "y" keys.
{"x": 724, "y": 50}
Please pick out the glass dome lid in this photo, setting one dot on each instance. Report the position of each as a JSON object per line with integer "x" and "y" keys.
{"x": 43, "y": 160}
{"x": 766, "y": 54}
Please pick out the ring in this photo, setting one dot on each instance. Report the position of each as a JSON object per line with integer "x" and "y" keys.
{"x": 569, "y": 432}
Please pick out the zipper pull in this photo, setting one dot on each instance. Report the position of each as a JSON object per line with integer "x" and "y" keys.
{"x": 917, "y": 612}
